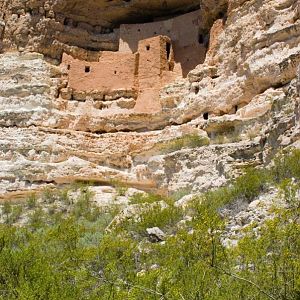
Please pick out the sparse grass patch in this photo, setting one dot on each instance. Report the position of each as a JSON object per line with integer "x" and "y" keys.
{"x": 31, "y": 201}
{"x": 16, "y": 213}
{"x": 226, "y": 137}
{"x": 181, "y": 193}
{"x": 252, "y": 133}
{"x": 287, "y": 165}
{"x": 139, "y": 198}
{"x": 49, "y": 195}
{"x": 186, "y": 141}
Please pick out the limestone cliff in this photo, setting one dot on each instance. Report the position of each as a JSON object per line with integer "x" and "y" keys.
{"x": 238, "y": 106}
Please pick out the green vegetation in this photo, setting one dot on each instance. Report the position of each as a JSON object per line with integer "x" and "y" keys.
{"x": 226, "y": 137}
{"x": 31, "y": 201}
{"x": 70, "y": 254}
{"x": 186, "y": 141}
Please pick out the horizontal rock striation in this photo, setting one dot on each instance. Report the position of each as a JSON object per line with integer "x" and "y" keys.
{"x": 235, "y": 109}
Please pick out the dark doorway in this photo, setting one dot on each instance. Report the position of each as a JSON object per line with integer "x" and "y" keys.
{"x": 168, "y": 50}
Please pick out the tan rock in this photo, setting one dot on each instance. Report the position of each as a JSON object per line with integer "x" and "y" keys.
{"x": 242, "y": 96}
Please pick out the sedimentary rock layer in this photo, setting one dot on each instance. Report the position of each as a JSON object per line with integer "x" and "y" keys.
{"x": 243, "y": 99}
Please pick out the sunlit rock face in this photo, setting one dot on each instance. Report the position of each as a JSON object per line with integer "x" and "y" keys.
{"x": 235, "y": 108}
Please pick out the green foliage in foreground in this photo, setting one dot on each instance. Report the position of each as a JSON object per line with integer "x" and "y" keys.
{"x": 73, "y": 256}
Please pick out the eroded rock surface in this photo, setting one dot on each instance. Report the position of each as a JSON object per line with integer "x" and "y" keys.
{"x": 237, "y": 108}
{"x": 51, "y": 26}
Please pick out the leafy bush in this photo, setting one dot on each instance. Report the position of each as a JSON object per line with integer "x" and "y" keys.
{"x": 251, "y": 184}
{"x": 83, "y": 206}
{"x": 164, "y": 218}
{"x": 36, "y": 219}
{"x": 63, "y": 196}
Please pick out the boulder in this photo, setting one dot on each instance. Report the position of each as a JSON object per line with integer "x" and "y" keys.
{"x": 155, "y": 234}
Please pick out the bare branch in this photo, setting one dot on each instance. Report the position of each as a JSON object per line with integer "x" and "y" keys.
{"x": 245, "y": 280}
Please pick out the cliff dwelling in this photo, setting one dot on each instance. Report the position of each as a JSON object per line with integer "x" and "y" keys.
{"x": 150, "y": 56}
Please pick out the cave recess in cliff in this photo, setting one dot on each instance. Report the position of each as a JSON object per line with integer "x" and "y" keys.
{"x": 113, "y": 13}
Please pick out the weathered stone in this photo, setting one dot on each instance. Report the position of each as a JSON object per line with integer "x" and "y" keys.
{"x": 155, "y": 234}
{"x": 51, "y": 27}
{"x": 243, "y": 98}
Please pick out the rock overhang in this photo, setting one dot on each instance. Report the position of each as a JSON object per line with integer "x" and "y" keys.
{"x": 115, "y": 12}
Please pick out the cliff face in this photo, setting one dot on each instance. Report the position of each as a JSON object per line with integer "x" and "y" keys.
{"x": 236, "y": 108}
{"x": 51, "y": 26}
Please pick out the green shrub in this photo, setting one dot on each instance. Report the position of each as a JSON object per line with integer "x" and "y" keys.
{"x": 36, "y": 219}
{"x": 251, "y": 184}
{"x": 49, "y": 195}
{"x": 139, "y": 198}
{"x": 63, "y": 196}
{"x": 154, "y": 216}
{"x": 6, "y": 210}
{"x": 286, "y": 165}
{"x": 289, "y": 192}
{"x": 121, "y": 190}
{"x": 73, "y": 257}
{"x": 271, "y": 261}
{"x": 16, "y": 213}
{"x": 31, "y": 201}
{"x": 121, "y": 187}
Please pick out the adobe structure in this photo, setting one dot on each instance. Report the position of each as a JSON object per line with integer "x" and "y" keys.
{"x": 150, "y": 56}
{"x": 188, "y": 41}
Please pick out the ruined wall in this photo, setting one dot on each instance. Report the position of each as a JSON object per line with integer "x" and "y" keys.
{"x": 113, "y": 71}
{"x": 158, "y": 60}
{"x": 185, "y": 31}
{"x": 143, "y": 74}
{"x": 156, "y": 63}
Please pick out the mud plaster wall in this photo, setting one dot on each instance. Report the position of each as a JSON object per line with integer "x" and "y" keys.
{"x": 185, "y": 32}
{"x": 156, "y": 62}
{"x": 113, "y": 71}
{"x": 146, "y": 72}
